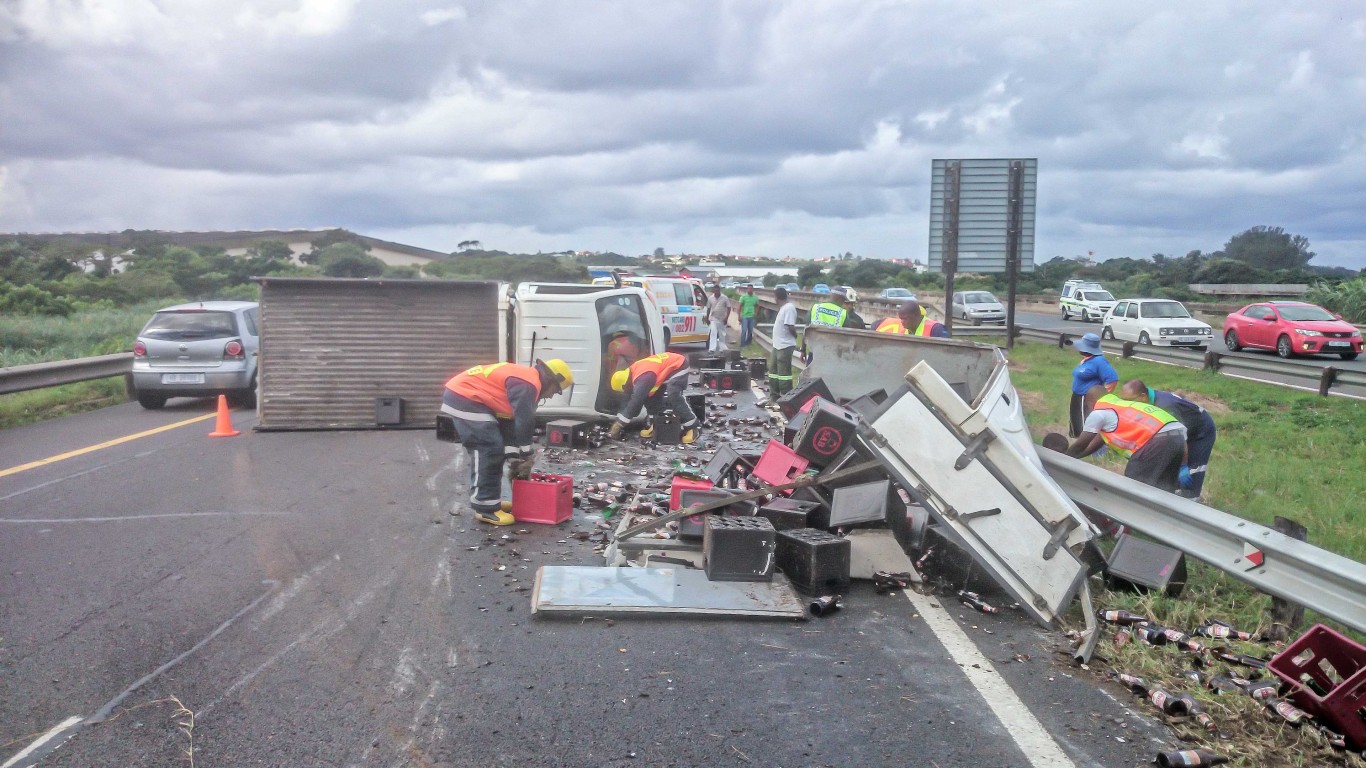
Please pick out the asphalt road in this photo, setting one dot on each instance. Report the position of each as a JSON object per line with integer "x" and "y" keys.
{"x": 309, "y": 600}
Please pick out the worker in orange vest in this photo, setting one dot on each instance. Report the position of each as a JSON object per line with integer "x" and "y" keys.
{"x": 494, "y": 408}
{"x": 1153, "y": 441}
{"x": 911, "y": 319}
{"x": 662, "y": 376}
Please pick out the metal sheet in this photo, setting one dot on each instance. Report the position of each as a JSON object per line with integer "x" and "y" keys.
{"x": 659, "y": 591}
{"x": 983, "y": 214}
{"x": 997, "y": 503}
{"x": 329, "y": 347}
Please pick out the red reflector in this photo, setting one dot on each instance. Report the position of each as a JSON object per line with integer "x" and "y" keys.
{"x": 139, "y": 349}
{"x": 233, "y": 349}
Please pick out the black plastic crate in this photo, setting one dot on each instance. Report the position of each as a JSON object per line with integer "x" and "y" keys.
{"x": 816, "y": 562}
{"x": 792, "y": 402}
{"x": 868, "y": 404}
{"x": 726, "y": 379}
{"x": 758, "y": 367}
{"x": 739, "y": 548}
{"x": 789, "y": 514}
{"x": 727, "y": 467}
{"x": 566, "y": 433}
{"x": 697, "y": 403}
{"x": 826, "y": 432}
{"x": 792, "y": 427}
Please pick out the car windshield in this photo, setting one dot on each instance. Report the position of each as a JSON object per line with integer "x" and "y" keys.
{"x": 1099, "y": 296}
{"x": 981, "y": 297}
{"x": 190, "y": 325}
{"x": 1306, "y": 312}
{"x": 1164, "y": 309}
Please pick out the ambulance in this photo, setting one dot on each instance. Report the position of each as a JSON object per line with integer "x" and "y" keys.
{"x": 681, "y": 301}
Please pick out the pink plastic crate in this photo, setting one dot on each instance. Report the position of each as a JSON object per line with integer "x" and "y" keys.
{"x": 1337, "y": 666}
{"x": 681, "y": 484}
{"x": 779, "y": 464}
{"x": 547, "y": 499}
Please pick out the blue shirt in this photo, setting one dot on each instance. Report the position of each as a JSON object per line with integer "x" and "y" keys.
{"x": 1092, "y": 371}
{"x": 1197, "y": 420}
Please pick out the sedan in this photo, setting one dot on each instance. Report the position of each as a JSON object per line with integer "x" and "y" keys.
{"x": 1162, "y": 322}
{"x": 977, "y": 307}
{"x": 198, "y": 350}
{"x": 1291, "y": 328}
{"x": 820, "y": 288}
{"x": 897, "y": 294}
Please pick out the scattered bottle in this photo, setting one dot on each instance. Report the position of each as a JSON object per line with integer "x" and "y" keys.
{"x": 1263, "y": 691}
{"x": 974, "y": 600}
{"x": 925, "y": 558}
{"x": 1221, "y": 632}
{"x": 1189, "y": 757}
{"x": 1195, "y": 677}
{"x": 1122, "y": 617}
{"x": 1286, "y": 711}
{"x": 1134, "y": 683}
{"x": 825, "y": 605}
{"x": 1221, "y": 684}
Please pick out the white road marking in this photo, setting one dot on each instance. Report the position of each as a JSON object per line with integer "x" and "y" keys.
{"x": 140, "y": 517}
{"x": 44, "y": 739}
{"x": 405, "y": 673}
{"x": 1038, "y": 747}
{"x": 278, "y": 602}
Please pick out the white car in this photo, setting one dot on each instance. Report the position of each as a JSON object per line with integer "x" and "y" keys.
{"x": 1163, "y": 322}
{"x": 1085, "y": 300}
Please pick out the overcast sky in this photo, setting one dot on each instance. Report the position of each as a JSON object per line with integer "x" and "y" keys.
{"x": 768, "y": 128}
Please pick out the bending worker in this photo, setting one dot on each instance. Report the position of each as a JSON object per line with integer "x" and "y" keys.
{"x": 662, "y": 376}
{"x": 1151, "y": 439}
{"x": 1200, "y": 431}
{"x": 494, "y": 407}
{"x": 911, "y": 320}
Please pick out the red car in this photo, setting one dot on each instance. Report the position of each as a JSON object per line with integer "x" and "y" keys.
{"x": 1291, "y": 328}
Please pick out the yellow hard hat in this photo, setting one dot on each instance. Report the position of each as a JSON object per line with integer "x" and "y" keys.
{"x": 619, "y": 380}
{"x": 560, "y": 369}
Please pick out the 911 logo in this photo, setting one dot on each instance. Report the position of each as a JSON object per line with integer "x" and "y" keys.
{"x": 685, "y": 323}
{"x": 827, "y": 441}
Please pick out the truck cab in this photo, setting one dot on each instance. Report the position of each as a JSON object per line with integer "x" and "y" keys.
{"x": 1086, "y": 300}
{"x": 596, "y": 329}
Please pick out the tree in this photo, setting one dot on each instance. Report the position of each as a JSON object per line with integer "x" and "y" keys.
{"x": 771, "y": 280}
{"x": 659, "y": 253}
{"x": 468, "y": 244}
{"x": 332, "y": 237}
{"x": 348, "y": 260}
{"x": 808, "y": 273}
{"x": 1269, "y": 248}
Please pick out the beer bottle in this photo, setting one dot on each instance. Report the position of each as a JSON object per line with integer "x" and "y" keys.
{"x": 1286, "y": 711}
{"x": 1220, "y": 631}
{"x": 1263, "y": 691}
{"x": 1133, "y": 682}
{"x": 1122, "y": 617}
{"x": 1189, "y": 757}
{"x": 974, "y": 600}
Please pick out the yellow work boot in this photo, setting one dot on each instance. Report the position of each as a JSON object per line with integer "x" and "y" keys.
{"x": 648, "y": 432}
{"x": 690, "y": 436}
{"x": 505, "y": 506}
{"x": 496, "y": 517}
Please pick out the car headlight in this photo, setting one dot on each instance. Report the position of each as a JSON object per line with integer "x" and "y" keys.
{"x": 1207, "y": 331}
{"x": 1164, "y": 331}
{"x": 1304, "y": 332}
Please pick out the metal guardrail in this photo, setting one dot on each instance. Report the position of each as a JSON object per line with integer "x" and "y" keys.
{"x": 20, "y": 378}
{"x": 1333, "y": 585}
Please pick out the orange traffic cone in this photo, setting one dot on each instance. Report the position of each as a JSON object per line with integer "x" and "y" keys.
{"x": 223, "y": 427}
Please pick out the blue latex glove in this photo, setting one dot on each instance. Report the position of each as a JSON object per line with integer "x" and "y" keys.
{"x": 1184, "y": 477}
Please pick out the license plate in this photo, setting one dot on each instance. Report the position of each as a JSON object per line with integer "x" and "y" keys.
{"x": 1339, "y": 343}
{"x": 182, "y": 378}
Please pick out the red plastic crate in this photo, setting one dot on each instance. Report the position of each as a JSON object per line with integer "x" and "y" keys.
{"x": 547, "y": 499}
{"x": 779, "y": 464}
{"x": 681, "y": 484}
{"x": 1336, "y": 665}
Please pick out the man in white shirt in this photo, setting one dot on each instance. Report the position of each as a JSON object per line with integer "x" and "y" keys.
{"x": 719, "y": 316}
{"x": 1153, "y": 441}
{"x": 784, "y": 344}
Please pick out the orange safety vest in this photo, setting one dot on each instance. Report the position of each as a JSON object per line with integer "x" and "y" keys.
{"x": 893, "y": 325}
{"x": 662, "y": 365}
{"x": 487, "y": 385}
{"x": 1138, "y": 422}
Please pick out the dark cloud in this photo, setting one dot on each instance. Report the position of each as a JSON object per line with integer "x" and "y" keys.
{"x": 783, "y": 125}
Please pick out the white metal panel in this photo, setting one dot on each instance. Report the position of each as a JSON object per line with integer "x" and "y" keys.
{"x": 923, "y": 450}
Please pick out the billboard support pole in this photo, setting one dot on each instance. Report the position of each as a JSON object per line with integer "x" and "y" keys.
{"x": 952, "y": 179}
{"x": 1014, "y": 215}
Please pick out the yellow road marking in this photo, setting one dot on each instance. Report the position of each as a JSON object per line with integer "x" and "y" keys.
{"x": 116, "y": 441}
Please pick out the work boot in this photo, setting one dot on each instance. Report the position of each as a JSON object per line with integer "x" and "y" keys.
{"x": 690, "y": 436}
{"x": 505, "y": 506}
{"x": 495, "y": 517}
{"x": 648, "y": 432}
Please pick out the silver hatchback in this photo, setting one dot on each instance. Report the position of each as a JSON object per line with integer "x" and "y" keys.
{"x": 977, "y": 307}
{"x": 198, "y": 350}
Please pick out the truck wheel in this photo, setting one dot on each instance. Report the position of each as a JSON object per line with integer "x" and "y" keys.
{"x": 1064, "y": 314}
{"x": 1085, "y": 316}
{"x": 1107, "y": 333}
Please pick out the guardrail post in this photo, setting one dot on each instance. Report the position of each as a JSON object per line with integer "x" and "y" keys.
{"x": 1286, "y": 617}
{"x": 1326, "y": 379}
{"x": 1211, "y": 360}
{"x": 1063, "y": 340}
{"x": 1128, "y": 350}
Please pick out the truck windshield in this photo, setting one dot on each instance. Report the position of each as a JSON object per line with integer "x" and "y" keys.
{"x": 1099, "y": 296}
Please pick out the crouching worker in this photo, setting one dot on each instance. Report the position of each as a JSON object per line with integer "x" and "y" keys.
{"x": 494, "y": 408}
{"x": 1152, "y": 440}
{"x": 663, "y": 376}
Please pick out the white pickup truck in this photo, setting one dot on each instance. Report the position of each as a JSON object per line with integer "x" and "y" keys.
{"x": 1088, "y": 301}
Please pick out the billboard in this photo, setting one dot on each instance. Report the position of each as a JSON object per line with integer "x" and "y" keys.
{"x": 979, "y": 192}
